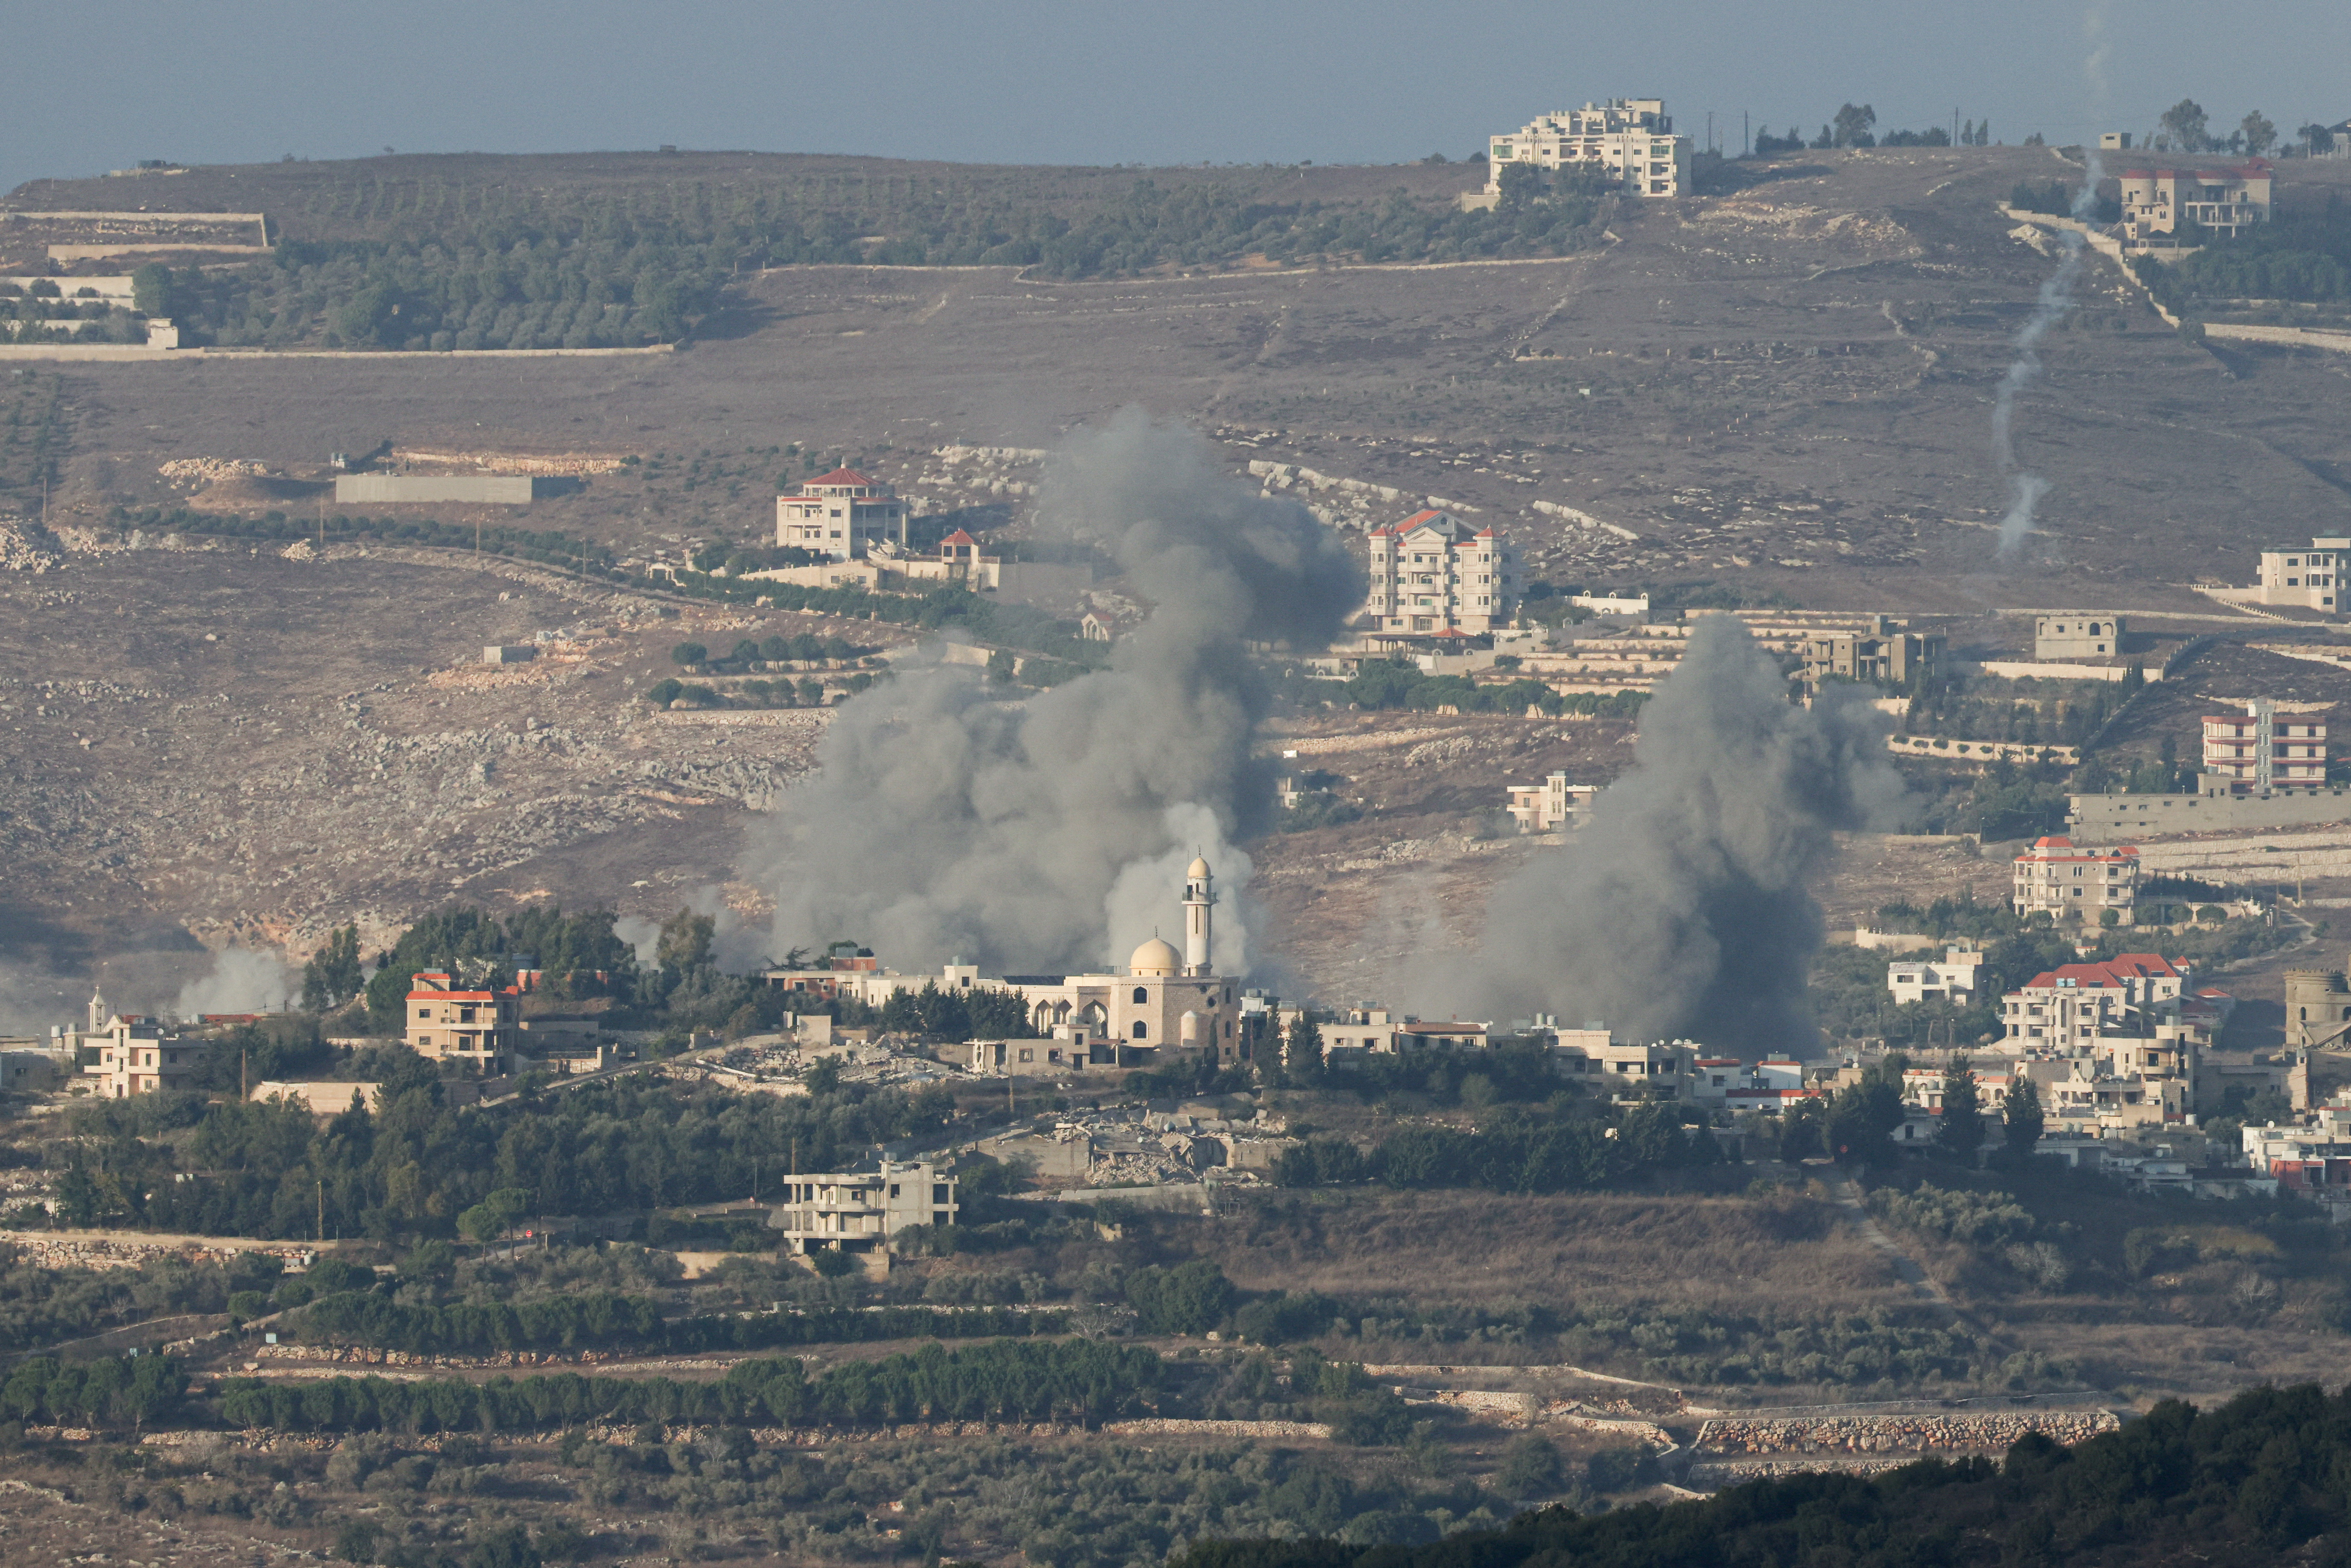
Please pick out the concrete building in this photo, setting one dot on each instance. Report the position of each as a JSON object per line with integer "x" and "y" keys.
{"x": 1952, "y": 978}
{"x": 842, "y": 514}
{"x": 1162, "y": 1001}
{"x": 1550, "y": 805}
{"x": 860, "y": 1210}
{"x": 461, "y": 489}
{"x": 2258, "y": 753}
{"x": 1880, "y": 654}
{"x": 137, "y": 1055}
{"x": 1631, "y": 140}
{"x": 1431, "y": 575}
{"x": 2162, "y": 204}
{"x": 2075, "y": 1006}
{"x": 320, "y": 1099}
{"x": 2076, "y": 884}
{"x": 2305, "y": 579}
{"x": 29, "y": 1070}
{"x": 2077, "y": 636}
{"x": 2317, "y": 1007}
{"x": 448, "y": 1022}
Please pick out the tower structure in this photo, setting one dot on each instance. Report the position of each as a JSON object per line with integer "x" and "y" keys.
{"x": 98, "y": 1017}
{"x": 1199, "y": 901}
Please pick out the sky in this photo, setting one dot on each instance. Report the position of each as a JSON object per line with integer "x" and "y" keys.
{"x": 100, "y": 84}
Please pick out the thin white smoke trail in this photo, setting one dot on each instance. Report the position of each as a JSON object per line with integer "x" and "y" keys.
{"x": 2025, "y": 490}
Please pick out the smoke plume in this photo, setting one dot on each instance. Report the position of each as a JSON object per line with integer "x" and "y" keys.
{"x": 1680, "y": 908}
{"x": 2025, "y": 490}
{"x": 1051, "y": 832}
{"x": 243, "y": 980}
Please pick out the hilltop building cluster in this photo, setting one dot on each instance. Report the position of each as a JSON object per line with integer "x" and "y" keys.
{"x": 1629, "y": 140}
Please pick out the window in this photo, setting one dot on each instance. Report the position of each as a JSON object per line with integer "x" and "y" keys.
{"x": 893, "y": 1189}
{"x": 1026, "y": 1054}
{"x": 938, "y": 1192}
{"x": 1142, "y": 995}
{"x": 1141, "y": 1031}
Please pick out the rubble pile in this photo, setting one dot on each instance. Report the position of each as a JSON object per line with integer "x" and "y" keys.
{"x": 25, "y": 546}
{"x": 195, "y": 473}
{"x": 1884, "y": 1433}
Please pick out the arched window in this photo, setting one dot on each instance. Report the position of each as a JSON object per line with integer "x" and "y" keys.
{"x": 1142, "y": 995}
{"x": 1141, "y": 1029}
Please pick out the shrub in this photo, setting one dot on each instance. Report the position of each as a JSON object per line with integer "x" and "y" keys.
{"x": 664, "y": 692}
{"x": 1191, "y": 1298}
{"x": 691, "y": 655}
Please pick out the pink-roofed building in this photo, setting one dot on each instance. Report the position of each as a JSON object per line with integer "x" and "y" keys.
{"x": 1434, "y": 577}
{"x": 2076, "y": 884}
{"x": 842, "y": 514}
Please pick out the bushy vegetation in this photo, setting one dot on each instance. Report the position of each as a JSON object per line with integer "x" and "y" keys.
{"x": 416, "y": 1165}
{"x": 2252, "y": 1481}
{"x": 2301, "y": 255}
{"x": 113, "y": 1391}
{"x": 1018, "y": 1380}
{"x": 1515, "y": 1151}
{"x": 41, "y": 1306}
{"x": 546, "y": 546}
{"x": 596, "y": 1318}
{"x": 1398, "y": 683}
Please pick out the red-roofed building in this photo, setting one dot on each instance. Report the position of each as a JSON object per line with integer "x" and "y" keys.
{"x": 2073, "y": 884}
{"x": 2161, "y": 204}
{"x": 1432, "y": 576}
{"x": 842, "y": 515}
{"x": 2069, "y": 1007}
{"x": 451, "y": 1022}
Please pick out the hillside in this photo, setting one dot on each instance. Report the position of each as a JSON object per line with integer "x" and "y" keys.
{"x": 1782, "y": 392}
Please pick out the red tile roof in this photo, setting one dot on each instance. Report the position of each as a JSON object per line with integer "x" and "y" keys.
{"x": 959, "y": 538}
{"x": 842, "y": 476}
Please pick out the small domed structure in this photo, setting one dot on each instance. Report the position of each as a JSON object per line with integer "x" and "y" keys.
{"x": 1155, "y": 957}
{"x": 1199, "y": 866}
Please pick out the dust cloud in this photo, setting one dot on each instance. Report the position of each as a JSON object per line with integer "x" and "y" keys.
{"x": 946, "y": 822}
{"x": 2025, "y": 490}
{"x": 243, "y": 980}
{"x": 1680, "y": 908}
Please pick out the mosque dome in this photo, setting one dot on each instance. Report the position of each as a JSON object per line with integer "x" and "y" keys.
{"x": 1155, "y": 957}
{"x": 1199, "y": 866}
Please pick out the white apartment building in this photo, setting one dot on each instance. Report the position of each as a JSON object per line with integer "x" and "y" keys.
{"x": 1550, "y": 805}
{"x": 2069, "y": 1009}
{"x": 1950, "y": 978}
{"x": 2157, "y": 202}
{"x": 859, "y": 1211}
{"x": 2076, "y": 884}
{"x": 842, "y": 514}
{"x": 1630, "y": 139}
{"x": 2307, "y": 578}
{"x": 2257, "y": 752}
{"x": 1432, "y": 576}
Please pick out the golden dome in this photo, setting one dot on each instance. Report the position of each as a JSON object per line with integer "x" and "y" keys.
{"x": 1155, "y": 957}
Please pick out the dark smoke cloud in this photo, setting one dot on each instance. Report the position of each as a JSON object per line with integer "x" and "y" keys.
{"x": 1680, "y": 908}
{"x": 942, "y": 821}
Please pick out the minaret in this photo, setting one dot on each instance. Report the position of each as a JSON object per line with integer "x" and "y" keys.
{"x": 98, "y": 1017}
{"x": 1199, "y": 898}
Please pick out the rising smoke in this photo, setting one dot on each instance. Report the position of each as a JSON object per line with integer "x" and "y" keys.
{"x": 942, "y": 821}
{"x": 243, "y": 980}
{"x": 1680, "y": 908}
{"x": 2025, "y": 490}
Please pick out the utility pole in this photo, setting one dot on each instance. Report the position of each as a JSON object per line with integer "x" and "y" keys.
{"x": 1745, "y": 134}
{"x": 1709, "y": 130}
{"x": 322, "y": 1210}
{"x": 244, "y": 1090}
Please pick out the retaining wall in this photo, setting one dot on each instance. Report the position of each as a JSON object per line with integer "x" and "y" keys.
{"x": 2119, "y": 819}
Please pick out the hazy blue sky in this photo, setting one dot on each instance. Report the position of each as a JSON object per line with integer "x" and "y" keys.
{"x": 99, "y": 84}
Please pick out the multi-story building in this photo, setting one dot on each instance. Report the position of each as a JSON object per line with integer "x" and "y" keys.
{"x": 1550, "y": 805}
{"x": 2076, "y": 884}
{"x": 2260, "y": 752}
{"x": 1952, "y": 978}
{"x": 1631, "y": 140}
{"x": 2159, "y": 205}
{"x": 1432, "y": 576}
{"x": 2072, "y": 1008}
{"x": 448, "y": 1022}
{"x": 137, "y": 1055}
{"x": 2077, "y": 636}
{"x": 1880, "y": 653}
{"x": 842, "y": 515}
{"x": 859, "y": 1211}
{"x": 2310, "y": 578}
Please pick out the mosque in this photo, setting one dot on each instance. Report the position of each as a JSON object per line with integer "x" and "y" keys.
{"x": 1163, "y": 1001}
